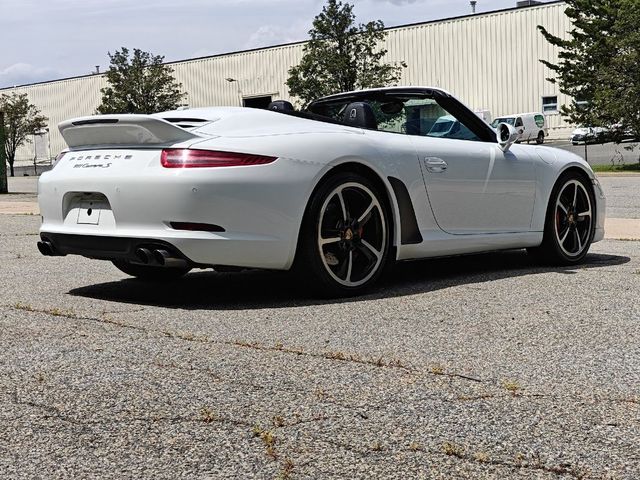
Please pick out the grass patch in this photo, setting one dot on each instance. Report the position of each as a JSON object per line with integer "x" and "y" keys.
{"x": 512, "y": 387}
{"x": 268, "y": 439}
{"x": 453, "y": 449}
{"x": 286, "y": 470}
{"x": 628, "y": 167}
{"x": 481, "y": 457}
{"x": 376, "y": 446}
{"x": 415, "y": 447}
{"x": 55, "y": 312}
{"x": 207, "y": 415}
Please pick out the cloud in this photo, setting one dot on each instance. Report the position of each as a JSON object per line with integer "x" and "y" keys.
{"x": 24, "y": 73}
{"x": 268, "y": 35}
{"x": 399, "y": 2}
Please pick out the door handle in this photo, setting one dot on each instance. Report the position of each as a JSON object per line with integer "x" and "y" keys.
{"x": 435, "y": 164}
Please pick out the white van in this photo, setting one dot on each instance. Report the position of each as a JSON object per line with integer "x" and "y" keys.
{"x": 484, "y": 115}
{"x": 530, "y": 126}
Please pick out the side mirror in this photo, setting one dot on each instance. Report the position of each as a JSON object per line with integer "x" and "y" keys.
{"x": 506, "y": 135}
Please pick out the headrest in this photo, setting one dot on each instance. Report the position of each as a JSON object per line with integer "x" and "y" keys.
{"x": 360, "y": 114}
{"x": 281, "y": 106}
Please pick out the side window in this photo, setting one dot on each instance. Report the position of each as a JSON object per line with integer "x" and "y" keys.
{"x": 425, "y": 117}
{"x": 550, "y": 104}
{"x": 519, "y": 122}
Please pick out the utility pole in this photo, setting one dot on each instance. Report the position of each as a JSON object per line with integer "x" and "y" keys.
{"x": 3, "y": 158}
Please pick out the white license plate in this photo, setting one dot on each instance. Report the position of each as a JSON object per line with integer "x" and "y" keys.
{"x": 89, "y": 213}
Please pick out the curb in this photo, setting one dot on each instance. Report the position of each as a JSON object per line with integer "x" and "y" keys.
{"x": 622, "y": 229}
{"x": 19, "y": 208}
{"x": 617, "y": 174}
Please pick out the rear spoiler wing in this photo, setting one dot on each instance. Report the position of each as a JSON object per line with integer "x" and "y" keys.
{"x": 122, "y": 130}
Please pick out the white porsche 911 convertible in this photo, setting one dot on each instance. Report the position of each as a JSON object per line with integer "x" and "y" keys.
{"x": 338, "y": 191}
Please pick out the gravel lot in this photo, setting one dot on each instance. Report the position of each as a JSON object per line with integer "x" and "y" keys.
{"x": 477, "y": 367}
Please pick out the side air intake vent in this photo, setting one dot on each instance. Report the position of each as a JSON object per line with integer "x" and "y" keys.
{"x": 187, "y": 122}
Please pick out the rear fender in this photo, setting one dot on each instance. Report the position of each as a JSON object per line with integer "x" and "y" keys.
{"x": 360, "y": 164}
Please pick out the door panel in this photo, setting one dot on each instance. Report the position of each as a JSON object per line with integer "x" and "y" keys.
{"x": 474, "y": 187}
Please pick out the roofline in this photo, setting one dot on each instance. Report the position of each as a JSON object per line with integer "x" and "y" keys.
{"x": 299, "y": 42}
{"x": 470, "y": 15}
{"x": 396, "y": 88}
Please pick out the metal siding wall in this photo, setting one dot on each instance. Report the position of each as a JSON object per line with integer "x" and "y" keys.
{"x": 259, "y": 72}
{"x": 489, "y": 61}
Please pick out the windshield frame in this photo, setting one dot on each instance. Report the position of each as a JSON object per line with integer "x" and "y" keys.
{"x": 454, "y": 107}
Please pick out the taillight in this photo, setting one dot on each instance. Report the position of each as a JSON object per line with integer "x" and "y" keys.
{"x": 186, "y": 158}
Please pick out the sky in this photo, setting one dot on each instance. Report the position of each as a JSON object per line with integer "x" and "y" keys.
{"x": 49, "y": 39}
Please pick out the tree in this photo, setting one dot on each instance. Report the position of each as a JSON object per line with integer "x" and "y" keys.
{"x": 139, "y": 84}
{"x": 341, "y": 56}
{"x": 3, "y": 160}
{"x": 599, "y": 63}
{"x": 21, "y": 121}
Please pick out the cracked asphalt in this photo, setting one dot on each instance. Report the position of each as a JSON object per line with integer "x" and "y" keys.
{"x": 475, "y": 367}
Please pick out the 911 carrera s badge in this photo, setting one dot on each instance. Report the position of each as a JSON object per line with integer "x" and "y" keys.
{"x": 92, "y": 165}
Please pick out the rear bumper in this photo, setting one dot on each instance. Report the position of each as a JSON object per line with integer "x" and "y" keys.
{"x": 259, "y": 207}
{"x": 198, "y": 249}
{"x": 107, "y": 248}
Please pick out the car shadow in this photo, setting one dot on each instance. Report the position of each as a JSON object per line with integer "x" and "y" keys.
{"x": 208, "y": 290}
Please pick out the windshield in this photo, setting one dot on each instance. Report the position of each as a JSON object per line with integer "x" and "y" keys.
{"x": 510, "y": 120}
{"x": 405, "y": 114}
{"x": 441, "y": 127}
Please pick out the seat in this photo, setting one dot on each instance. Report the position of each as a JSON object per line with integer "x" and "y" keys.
{"x": 281, "y": 106}
{"x": 360, "y": 114}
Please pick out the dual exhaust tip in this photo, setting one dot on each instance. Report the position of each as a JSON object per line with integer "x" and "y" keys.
{"x": 46, "y": 248}
{"x": 160, "y": 257}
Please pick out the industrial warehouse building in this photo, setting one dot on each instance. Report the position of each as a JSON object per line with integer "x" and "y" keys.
{"x": 490, "y": 61}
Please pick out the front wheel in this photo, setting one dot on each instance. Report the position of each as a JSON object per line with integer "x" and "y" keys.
{"x": 149, "y": 272}
{"x": 345, "y": 236}
{"x": 569, "y": 225}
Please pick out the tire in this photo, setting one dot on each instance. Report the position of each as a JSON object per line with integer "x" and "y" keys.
{"x": 344, "y": 243}
{"x": 540, "y": 138}
{"x": 150, "y": 273}
{"x": 570, "y": 222}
